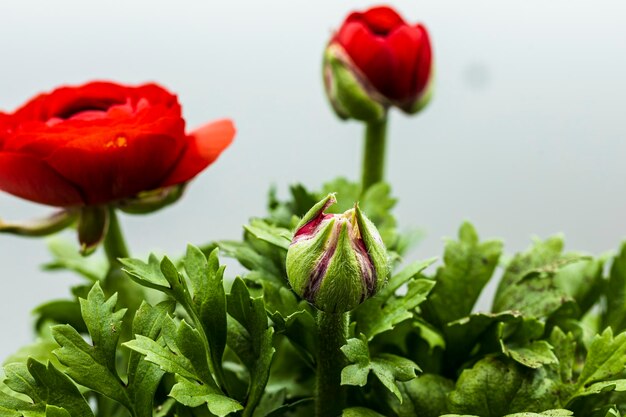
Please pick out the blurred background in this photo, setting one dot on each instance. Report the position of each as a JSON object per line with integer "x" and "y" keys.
{"x": 526, "y": 135}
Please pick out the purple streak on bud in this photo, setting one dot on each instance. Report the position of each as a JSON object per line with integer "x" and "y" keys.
{"x": 310, "y": 229}
{"x": 319, "y": 272}
{"x": 368, "y": 272}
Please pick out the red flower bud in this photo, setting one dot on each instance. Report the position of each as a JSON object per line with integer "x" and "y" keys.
{"x": 391, "y": 60}
{"x": 102, "y": 142}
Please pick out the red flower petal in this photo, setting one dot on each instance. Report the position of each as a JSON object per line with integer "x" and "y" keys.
{"x": 28, "y": 177}
{"x": 369, "y": 53}
{"x": 382, "y": 20}
{"x": 111, "y": 166}
{"x": 204, "y": 146}
{"x": 424, "y": 62}
{"x": 405, "y": 44}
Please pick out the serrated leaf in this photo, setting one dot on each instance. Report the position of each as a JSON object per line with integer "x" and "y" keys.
{"x": 146, "y": 274}
{"x": 360, "y": 412}
{"x": 250, "y": 315}
{"x": 615, "y": 313}
{"x": 371, "y": 321}
{"x": 94, "y": 365}
{"x": 494, "y": 387}
{"x": 45, "y": 386}
{"x": 144, "y": 376}
{"x": 275, "y": 236}
{"x": 388, "y": 368}
{"x": 533, "y": 355}
{"x": 463, "y": 334}
{"x": 291, "y": 318}
{"x": 606, "y": 359}
{"x": 565, "y": 350}
{"x": 162, "y": 356}
{"x": 209, "y": 300}
{"x": 52, "y": 411}
{"x": 468, "y": 266}
{"x": 193, "y": 394}
{"x": 528, "y": 284}
{"x": 189, "y": 343}
{"x": 583, "y": 281}
{"x": 424, "y": 396}
{"x": 251, "y": 259}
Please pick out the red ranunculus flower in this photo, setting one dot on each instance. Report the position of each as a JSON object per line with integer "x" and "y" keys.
{"x": 391, "y": 59}
{"x": 102, "y": 142}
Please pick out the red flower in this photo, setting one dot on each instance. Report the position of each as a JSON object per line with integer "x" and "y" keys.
{"x": 102, "y": 142}
{"x": 392, "y": 58}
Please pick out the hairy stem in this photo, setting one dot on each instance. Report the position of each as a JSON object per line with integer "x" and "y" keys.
{"x": 330, "y": 396}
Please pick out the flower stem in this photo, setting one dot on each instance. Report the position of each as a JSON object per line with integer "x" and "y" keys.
{"x": 130, "y": 295}
{"x": 374, "y": 154}
{"x": 330, "y": 396}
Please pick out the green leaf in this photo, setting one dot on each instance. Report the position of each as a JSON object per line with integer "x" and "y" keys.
{"x": 385, "y": 310}
{"x": 424, "y": 396}
{"x": 193, "y": 394}
{"x": 528, "y": 284}
{"x": 495, "y": 387}
{"x": 275, "y": 236}
{"x": 257, "y": 350}
{"x": 388, "y": 368}
{"x": 346, "y": 191}
{"x": 143, "y": 376}
{"x": 533, "y": 355}
{"x": 468, "y": 266}
{"x": 52, "y": 411}
{"x": 45, "y": 386}
{"x": 252, "y": 260}
{"x": 606, "y": 359}
{"x": 606, "y": 411}
{"x": 291, "y": 318}
{"x": 146, "y": 274}
{"x": 209, "y": 300}
{"x": 565, "y": 350}
{"x": 462, "y": 335}
{"x": 67, "y": 256}
{"x": 168, "y": 361}
{"x": 615, "y": 314}
{"x": 360, "y": 412}
{"x": 94, "y": 365}
{"x": 552, "y": 413}
{"x": 582, "y": 281}
{"x": 61, "y": 312}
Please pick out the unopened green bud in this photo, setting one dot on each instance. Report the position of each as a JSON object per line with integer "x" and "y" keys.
{"x": 336, "y": 261}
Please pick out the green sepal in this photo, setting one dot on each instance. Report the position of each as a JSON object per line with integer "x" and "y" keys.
{"x": 151, "y": 201}
{"x": 423, "y": 100}
{"x": 349, "y": 93}
{"x": 342, "y": 288}
{"x": 92, "y": 227}
{"x": 41, "y": 227}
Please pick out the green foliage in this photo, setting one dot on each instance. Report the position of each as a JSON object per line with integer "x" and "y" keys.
{"x": 388, "y": 368}
{"x": 212, "y": 345}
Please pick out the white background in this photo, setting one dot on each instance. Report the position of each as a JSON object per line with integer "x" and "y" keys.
{"x": 525, "y": 135}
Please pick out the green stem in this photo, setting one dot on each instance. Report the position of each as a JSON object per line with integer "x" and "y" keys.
{"x": 114, "y": 243}
{"x": 373, "y": 169}
{"x": 330, "y": 396}
{"x": 130, "y": 295}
